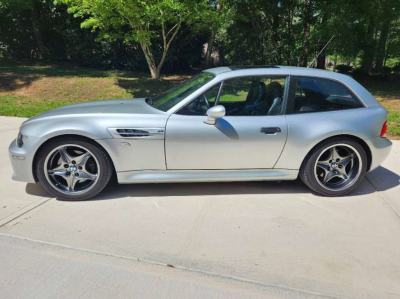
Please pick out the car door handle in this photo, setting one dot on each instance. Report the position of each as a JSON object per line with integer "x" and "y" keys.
{"x": 270, "y": 130}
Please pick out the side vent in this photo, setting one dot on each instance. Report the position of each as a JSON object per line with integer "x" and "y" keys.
{"x": 132, "y": 133}
{"x": 137, "y": 133}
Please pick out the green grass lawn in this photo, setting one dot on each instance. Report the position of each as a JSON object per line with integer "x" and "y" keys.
{"x": 389, "y": 97}
{"x": 29, "y": 90}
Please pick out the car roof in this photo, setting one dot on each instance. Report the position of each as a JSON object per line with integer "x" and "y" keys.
{"x": 224, "y": 73}
{"x": 271, "y": 69}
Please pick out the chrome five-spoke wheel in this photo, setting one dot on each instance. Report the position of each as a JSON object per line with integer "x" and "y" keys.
{"x": 338, "y": 167}
{"x": 73, "y": 169}
{"x": 335, "y": 167}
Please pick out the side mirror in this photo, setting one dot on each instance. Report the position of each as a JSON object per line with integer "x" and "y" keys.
{"x": 214, "y": 113}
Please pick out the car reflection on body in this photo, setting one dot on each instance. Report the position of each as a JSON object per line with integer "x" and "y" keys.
{"x": 224, "y": 124}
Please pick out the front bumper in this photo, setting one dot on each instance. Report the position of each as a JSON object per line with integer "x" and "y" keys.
{"x": 22, "y": 159}
{"x": 380, "y": 149}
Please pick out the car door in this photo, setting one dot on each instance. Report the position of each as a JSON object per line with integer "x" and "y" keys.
{"x": 250, "y": 136}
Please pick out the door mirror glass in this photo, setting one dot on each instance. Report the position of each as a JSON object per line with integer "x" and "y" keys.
{"x": 214, "y": 113}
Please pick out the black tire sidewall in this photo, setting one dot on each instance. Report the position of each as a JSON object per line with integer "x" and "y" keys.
{"x": 307, "y": 169}
{"x": 101, "y": 156}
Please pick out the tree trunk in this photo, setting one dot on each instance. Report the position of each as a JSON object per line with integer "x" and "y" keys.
{"x": 306, "y": 28}
{"x": 211, "y": 40}
{"x": 154, "y": 72}
{"x": 155, "y": 69}
{"x": 289, "y": 38}
{"x": 369, "y": 48}
{"x": 381, "y": 51}
{"x": 209, "y": 48}
{"x": 37, "y": 32}
{"x": 321, "y": 61}
{"x": 277, "y": 56}
{"x": 335, "y": 62}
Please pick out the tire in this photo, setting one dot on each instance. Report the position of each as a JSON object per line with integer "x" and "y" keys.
{"x": 88, "y": 173}
{"x": 335, "y": 167}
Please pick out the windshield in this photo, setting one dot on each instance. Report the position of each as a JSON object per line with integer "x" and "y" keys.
{"x": 179, "y": 92}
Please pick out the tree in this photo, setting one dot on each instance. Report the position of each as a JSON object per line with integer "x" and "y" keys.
{"x": 215, "y": 18}
{"x": 307, "y": 19}
{"x": 138, "y": 21}
{"x": 214, "y": 26}
{"x": 390, "y": 10}
{"x": 30, "y": 12}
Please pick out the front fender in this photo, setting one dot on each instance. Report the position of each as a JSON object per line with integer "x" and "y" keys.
{"x": 49, "y": 127}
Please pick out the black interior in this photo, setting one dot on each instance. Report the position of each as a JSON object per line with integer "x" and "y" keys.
{"x": 261, "y": 99}
{"x": 316, "y": 94}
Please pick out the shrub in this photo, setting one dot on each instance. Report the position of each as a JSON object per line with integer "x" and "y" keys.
{"x": 344, "y": 68}
{"x": 396, "y": 68}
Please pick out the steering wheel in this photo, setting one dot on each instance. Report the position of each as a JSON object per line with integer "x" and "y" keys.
{"x": 201, "y": 105}
{"x": 206, "y": 101}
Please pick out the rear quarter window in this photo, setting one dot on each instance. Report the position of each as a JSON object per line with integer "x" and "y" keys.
{"x": 317, "y": 94}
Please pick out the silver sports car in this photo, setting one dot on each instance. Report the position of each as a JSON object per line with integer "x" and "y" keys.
{"x": 224, "y": 124}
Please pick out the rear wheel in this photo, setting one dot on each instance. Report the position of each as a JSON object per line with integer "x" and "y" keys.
{"x": 335, "y": 168}
{"x": 73, "y": 169}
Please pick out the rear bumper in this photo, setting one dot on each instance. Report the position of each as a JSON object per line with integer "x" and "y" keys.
{"x": 22, "y": 159}
{"x": 380, "y": 149}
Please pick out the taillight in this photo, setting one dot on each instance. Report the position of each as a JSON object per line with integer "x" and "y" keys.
{"x": 384, "y": 129}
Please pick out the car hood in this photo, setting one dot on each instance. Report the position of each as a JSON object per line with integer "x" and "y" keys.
{"x": 92, "y": 119}
{"x": 124, "y": 106}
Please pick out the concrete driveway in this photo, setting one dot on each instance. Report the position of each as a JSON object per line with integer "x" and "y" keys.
{"x": 205, "y": 240}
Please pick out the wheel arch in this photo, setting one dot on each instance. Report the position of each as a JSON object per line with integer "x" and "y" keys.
{"x": 358, "y": 139}
{"x": 35, "y": 158}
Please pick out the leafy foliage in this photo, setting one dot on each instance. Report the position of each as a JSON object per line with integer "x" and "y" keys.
{"x": 136, "y": 21}
{"x": 171, "y": 34}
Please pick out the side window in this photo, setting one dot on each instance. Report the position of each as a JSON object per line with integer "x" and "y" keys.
{"x": 201, "y": 104}
{"x": 246, "y": 96}
{"x": 316, "y": 94}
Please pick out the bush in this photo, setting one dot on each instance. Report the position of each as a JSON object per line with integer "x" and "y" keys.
{"x": 396, "y": 68}
{"x": 344, "y": 68}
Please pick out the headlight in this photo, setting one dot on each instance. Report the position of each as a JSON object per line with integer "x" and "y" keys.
{"x": 21, "y": 139}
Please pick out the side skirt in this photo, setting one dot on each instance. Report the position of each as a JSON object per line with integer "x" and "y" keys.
{"x": 182, "y": 176}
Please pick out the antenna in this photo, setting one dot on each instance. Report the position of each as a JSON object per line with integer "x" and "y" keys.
{"x": 312, "y": 62}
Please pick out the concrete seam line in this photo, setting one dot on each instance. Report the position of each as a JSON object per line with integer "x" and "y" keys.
{"x": 383, "y": 197}
{"x": 23, "y": 211}
{"x": 182, "y": 268}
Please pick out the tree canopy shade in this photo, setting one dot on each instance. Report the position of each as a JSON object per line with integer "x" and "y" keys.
{"x": 138, "y": 21}
{"x": 171, "y": 34}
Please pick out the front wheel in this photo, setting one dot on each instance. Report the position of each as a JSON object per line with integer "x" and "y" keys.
{"x": 335, "y": 168}
{"x": 73, "y": 168}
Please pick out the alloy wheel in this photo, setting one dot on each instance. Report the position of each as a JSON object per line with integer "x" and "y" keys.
{"x": 71, "y": 169}
{"x": 338, "y": 167}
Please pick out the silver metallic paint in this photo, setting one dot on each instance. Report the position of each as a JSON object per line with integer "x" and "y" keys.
{"x": 308, "y": 129}
{"x": 213, "y": 113}
{"x": 142, "y": 154}
{"x": 188, "y": 176}
{"x": 191, "y": 144}
{"x": 22, "y": 169}
{"x": 233, "y": 142}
